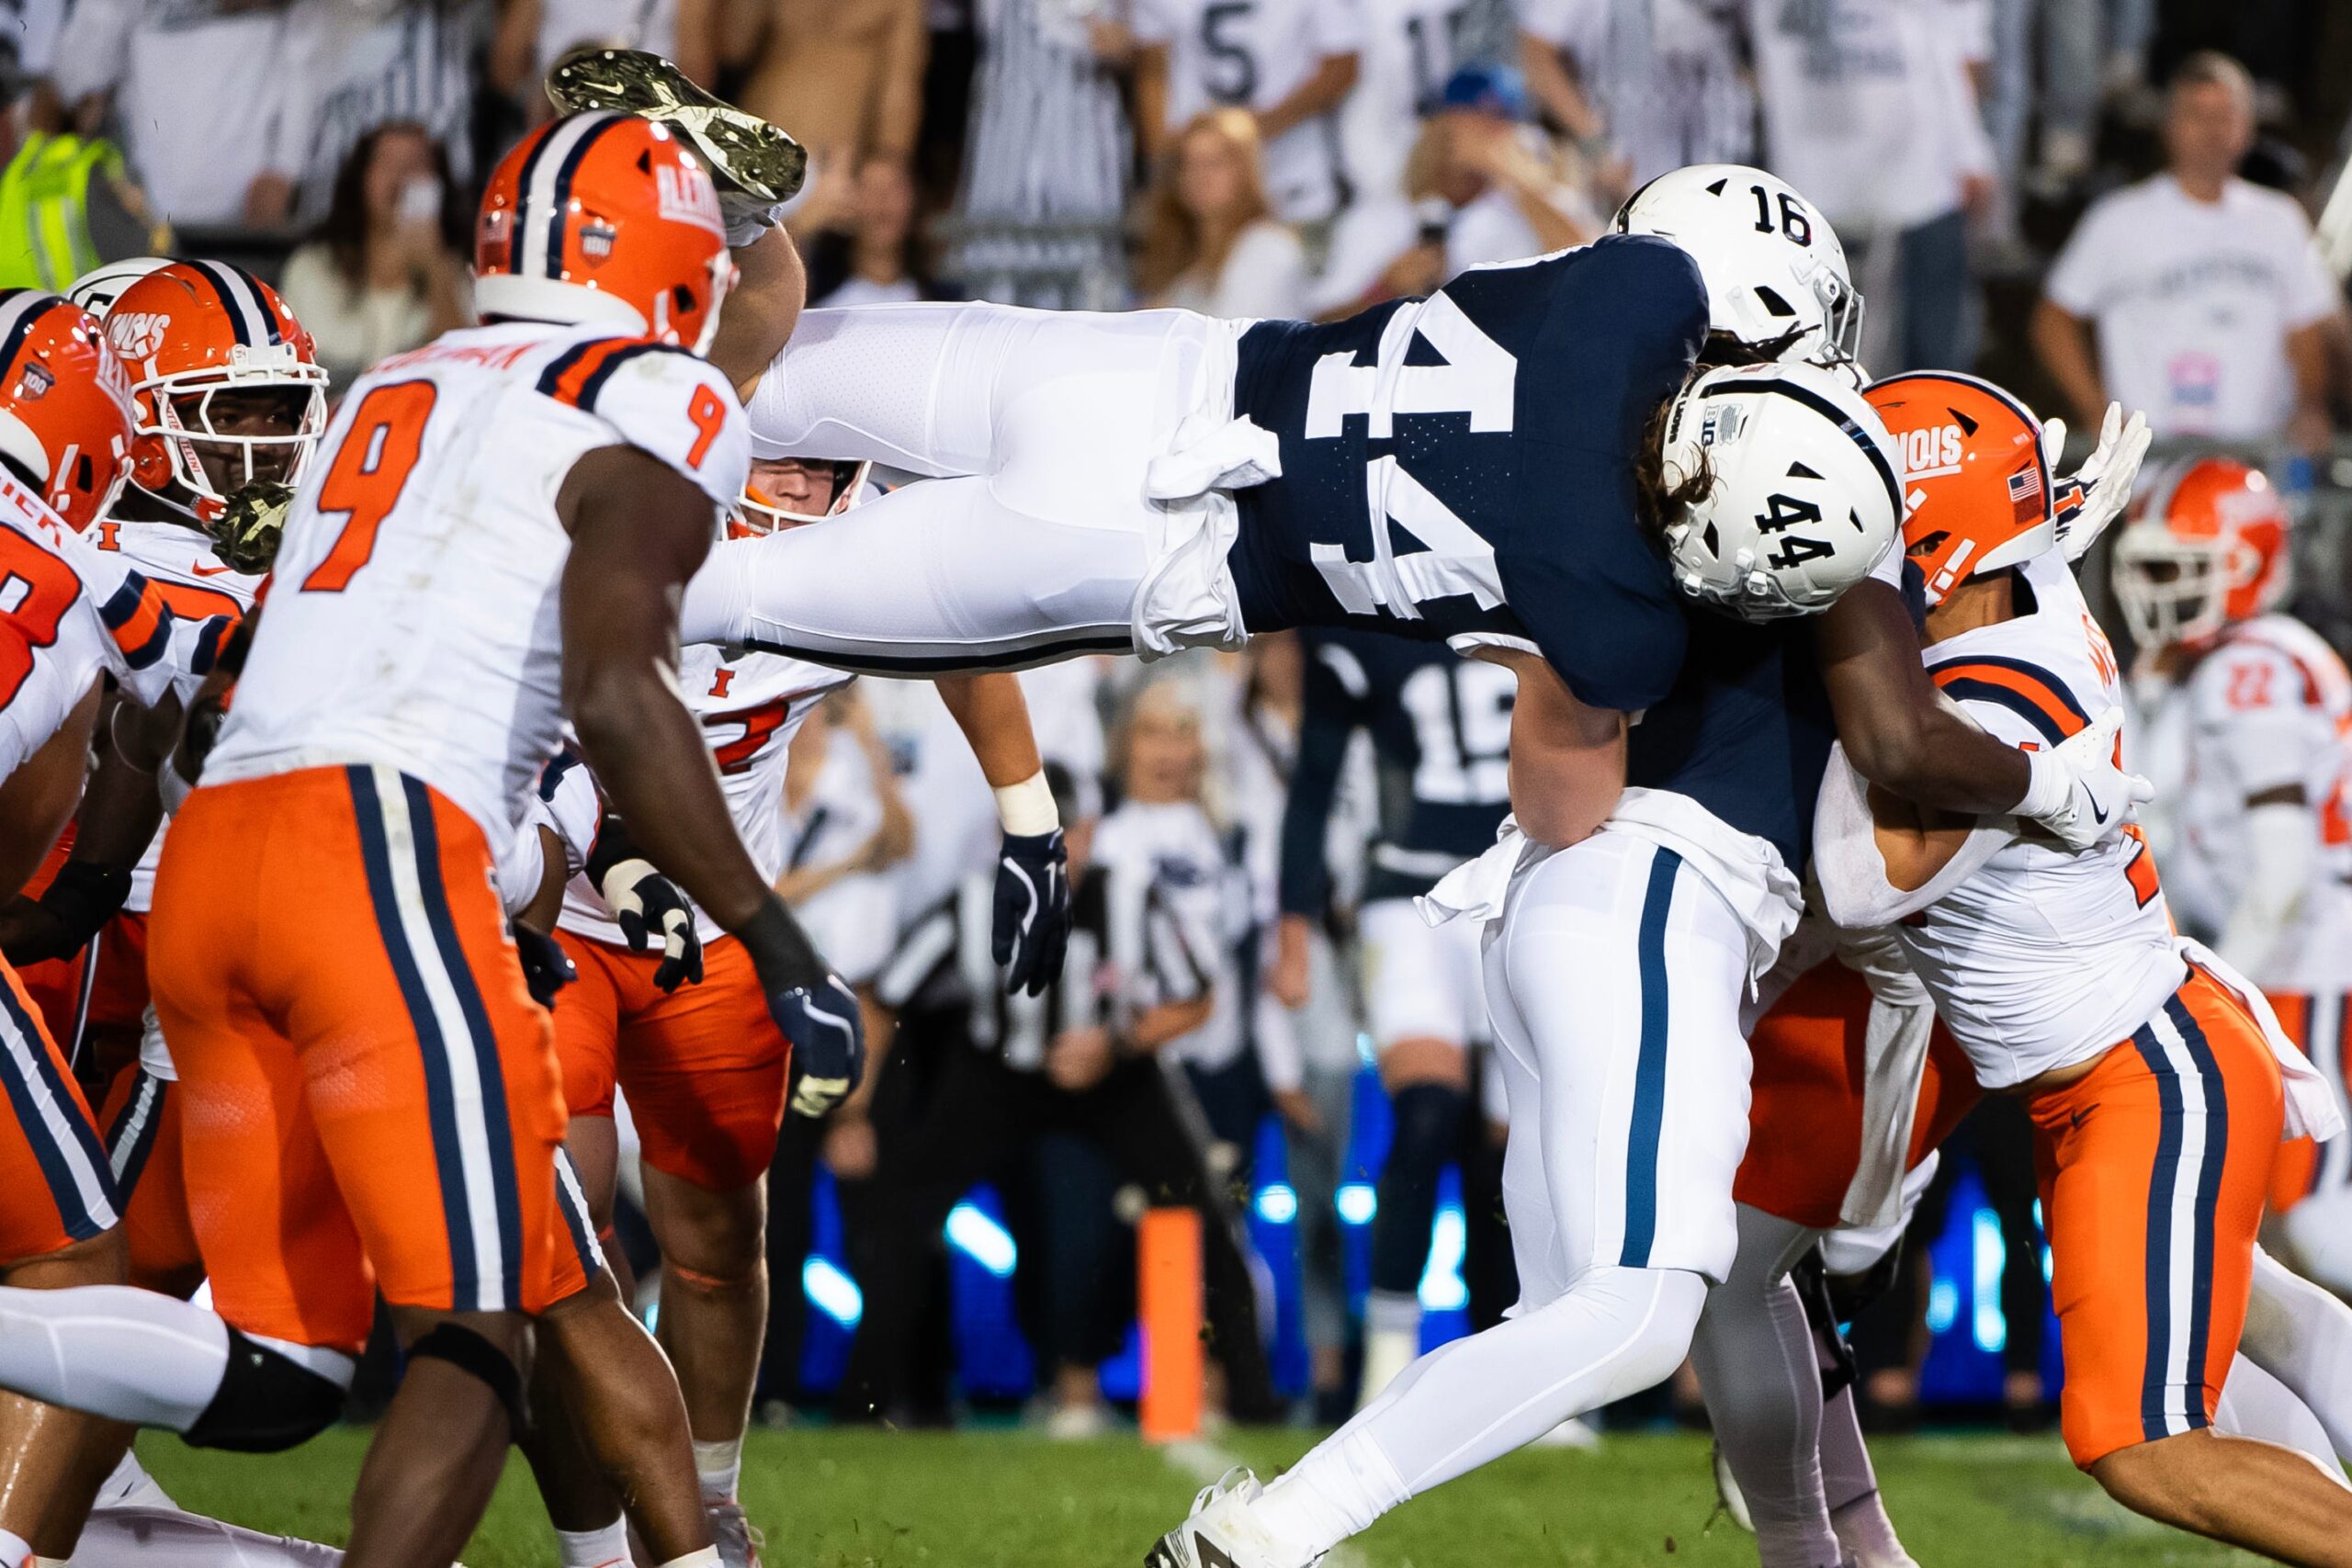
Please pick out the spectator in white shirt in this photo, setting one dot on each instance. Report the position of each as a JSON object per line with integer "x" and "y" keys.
{"x": 1289, "y": 62}
{"x": 1484, "y": 187}
{"x": 382, "y": 275}
{"x": 1869, "y": 109}
{"x": 2211, "y": 305}
{"x": 197, "y": 86}
{"x": 1210, "y": 243}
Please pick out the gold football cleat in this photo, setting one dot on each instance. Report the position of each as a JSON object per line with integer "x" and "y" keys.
{"x": 743, "y": 151}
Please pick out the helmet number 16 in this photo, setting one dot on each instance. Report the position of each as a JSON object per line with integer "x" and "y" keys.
{"x": 1794, "y": 223}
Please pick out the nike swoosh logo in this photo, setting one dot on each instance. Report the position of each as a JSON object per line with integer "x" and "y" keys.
{"x": 2098, "y": 813}
{"x": 210, "y": 570}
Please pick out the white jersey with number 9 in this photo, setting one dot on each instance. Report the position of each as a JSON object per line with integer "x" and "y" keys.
{"x": 413, "y": 619}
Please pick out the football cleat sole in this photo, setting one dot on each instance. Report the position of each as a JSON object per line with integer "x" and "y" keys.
{"x": 743, "y": 150}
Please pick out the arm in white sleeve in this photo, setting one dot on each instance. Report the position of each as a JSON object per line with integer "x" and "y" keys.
{"x": 2279, "y": 840}
{"x": 522, "y": 871}
{"x": 1856, "y": 892}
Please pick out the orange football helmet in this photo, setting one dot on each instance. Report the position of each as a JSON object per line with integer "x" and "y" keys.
{"x": 195, "y": 331}
{"x": 2205, "y": 546}
{"x": 756, "y": 512}
{"x": 605, "y": 218}
{"x": 1975, "y": 479}
{"x": 64, "y": 404}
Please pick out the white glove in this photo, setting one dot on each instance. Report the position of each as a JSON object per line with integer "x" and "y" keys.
{"x": 747, "y": 217}
{"x": 2076, "y": 790}
{"x": 2095, "y": 495}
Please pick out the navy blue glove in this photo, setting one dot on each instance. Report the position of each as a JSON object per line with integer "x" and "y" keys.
{"x": 828, "y": 1036}
{"x": 547, "y": 968}
{"x": 1032, "y": 923}
{"x": 649, "y": 907}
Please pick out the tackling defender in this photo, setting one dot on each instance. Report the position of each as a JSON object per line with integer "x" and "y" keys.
{"x": 2150, "y": 1070}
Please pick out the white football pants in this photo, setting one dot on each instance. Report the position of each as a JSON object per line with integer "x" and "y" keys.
{"x": 1614, "y": 975}
{"x": 1036, "y": 537}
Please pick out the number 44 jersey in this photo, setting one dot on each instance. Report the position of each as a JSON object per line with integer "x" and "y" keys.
{"x": 413, "y": 618}
{"x": 1463, "y": 466}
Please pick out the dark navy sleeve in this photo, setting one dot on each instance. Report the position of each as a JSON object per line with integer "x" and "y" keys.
{"x": 1618, "y": 333}
{"x": 1328, "y": 716}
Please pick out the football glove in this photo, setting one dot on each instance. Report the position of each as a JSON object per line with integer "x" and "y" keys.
{"x": 2095, "y": 495}
{"x": 547, "y": 968}
{"x": 61, "y": 922}
{"x": 828, "y": 1037}
{"x": 649, "y": 908}
{"x": 247, "y": 536}
{"x": 1032, "y": 921}
{"x": 2079, "y": 792}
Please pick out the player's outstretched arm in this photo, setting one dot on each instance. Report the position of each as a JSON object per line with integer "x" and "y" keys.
{"x": 1902, "y": 735}
{"x": 1032, "y": 904}
{"x": 1568, "y": 758}
{"x": 639, "y": 529}
{"x": 1897, "y": 729}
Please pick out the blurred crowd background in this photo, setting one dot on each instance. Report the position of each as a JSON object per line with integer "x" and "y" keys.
{"x": 2084, "y": 200}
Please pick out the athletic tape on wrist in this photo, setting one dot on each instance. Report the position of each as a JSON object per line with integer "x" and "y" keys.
{"x": 1026, "y": 809}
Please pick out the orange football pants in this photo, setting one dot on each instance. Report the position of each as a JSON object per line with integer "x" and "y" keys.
{"x": 2153, "y": 1169}
{"x": 55, "y": 1187}
{"x": 370, "y": 1096}
{"x": 2321, "y": 1026}
{"x": 703, "y": 1065}
{"x": 1805, "y": 1113}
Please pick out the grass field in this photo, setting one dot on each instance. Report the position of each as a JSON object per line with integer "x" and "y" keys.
{"x": 860, "y": 1499}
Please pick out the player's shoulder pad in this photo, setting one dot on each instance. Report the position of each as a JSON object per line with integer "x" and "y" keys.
{"x": 664, "y": 400}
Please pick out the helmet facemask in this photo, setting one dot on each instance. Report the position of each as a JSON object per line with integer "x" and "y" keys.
{"x": 207, "y": 414}
{"x": 758, "y": 512}
{"x": 2172, "y": 590}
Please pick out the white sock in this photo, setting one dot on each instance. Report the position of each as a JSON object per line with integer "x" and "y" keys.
{"x": 707, "y": 1558}
{"x": 606, "y": 1548}
{"x": 2302, "y": 1334}
{"x": 719, "y": 1467}
{"x": 144, "y": 1537}
{"x": 1392, "y": 1339}
{"x": 1616, "y": 1332}
{"x": 1753, "y": 1351}
{"x": 125, "y": 1354}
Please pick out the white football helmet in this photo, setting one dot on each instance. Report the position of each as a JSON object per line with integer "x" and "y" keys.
{"x": 1775, "y": 273}
{"x": 1806, "y": 499}
{"x": 97, "y": 290}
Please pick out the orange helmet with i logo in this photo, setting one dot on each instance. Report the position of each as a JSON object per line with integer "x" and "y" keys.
{"x": 1977, "y": 487}
{"x": 64, "y": 404}
{"x": 606, "y": 218}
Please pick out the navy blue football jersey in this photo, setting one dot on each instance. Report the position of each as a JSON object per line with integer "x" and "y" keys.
{"x": 1465, "y": 464}
{"x": 1440, "y": 735}
{"x": 1745, "y": 731}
